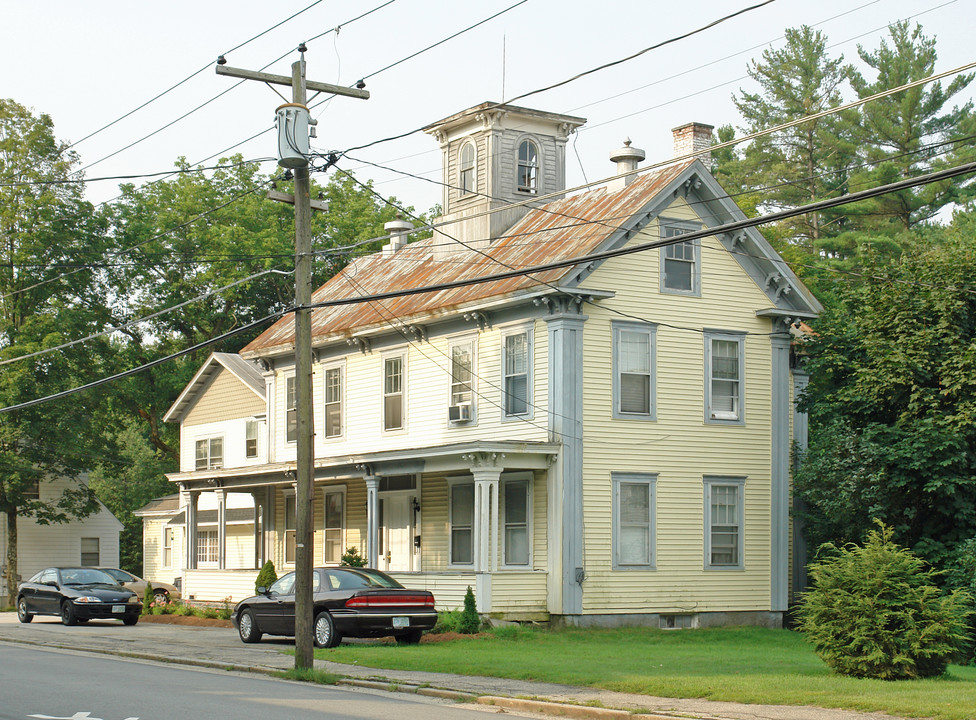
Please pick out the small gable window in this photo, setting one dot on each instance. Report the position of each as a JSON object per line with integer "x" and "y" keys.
{"x": 467, "y": 169}
{"x": 528, "y": 167}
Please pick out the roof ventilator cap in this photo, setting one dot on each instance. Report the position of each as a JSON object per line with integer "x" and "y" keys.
{"x": 627, "y": 159}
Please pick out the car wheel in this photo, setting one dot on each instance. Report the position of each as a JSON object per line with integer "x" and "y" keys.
{"x": 325, "y": 634}
{"x": 130, "y": 619}
{"x": 248, "y": 628}
{"x": 410, "y": 638}
{"x": 160, "y": 597}
{"x": 82, "y": 621}
{"x": 68, "y": 613}
{"x": 23, "y": 614}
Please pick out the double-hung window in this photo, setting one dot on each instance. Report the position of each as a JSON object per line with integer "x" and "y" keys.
{"x": 210, "y": 454}
{"x": 528, "y": 167}
{"x": 680, "y": 261}
{"x": 207, "y": 546}
{"x": 515, "y": 519}
{"x": 723, "y": 522}
{"x": 291, "y": 409}
{"x": 90, "y": 554}
{"x": 724, "y": 373}
{"x": 168, "y": 547}
{"x": 335, "y": 501}
{"x": 333, "y": 402}
{"x": 462, "y": 524}
{"x": 251, "y": 439}
{"x": 516, "y": 375}
{"x": 467, "y": 168}
{"x": 393, "y": 376}
{"x": 633, "y": 371}
{"x": 633, "y": 520}
{"x": 462, "y": 372}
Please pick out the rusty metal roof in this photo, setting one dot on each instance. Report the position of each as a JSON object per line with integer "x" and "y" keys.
{"x": 566, "y": 228}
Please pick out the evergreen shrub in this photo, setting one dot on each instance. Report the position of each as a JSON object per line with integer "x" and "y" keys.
{"x": 876, "y": 612}
{"x": 469, "y": 622}
{"x": 352, "y": 558}
{"x": 266, "y": 576}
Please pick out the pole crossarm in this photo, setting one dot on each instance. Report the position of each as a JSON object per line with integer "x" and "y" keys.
{"x": 286, "y": 80}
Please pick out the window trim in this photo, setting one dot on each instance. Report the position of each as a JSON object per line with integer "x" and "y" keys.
{"x": 665, "y": 224}
{"x": 650, "y": 329}
{"x": 710, "y": 337}
{"x": 452, "y": 483}
{"x": 326, "y": 491}
{"x": 533, "y": 188}
{"x": 529, "y": 413}
{"x": 248, "y": 424}
{"x": 709, "y": 482}
{"x": 503, "y": 485}
{"x": 635, "y": 478}
{"x": 209, "y": 439}
{"x": 402, "y": 355}
{"x": 463, "y": 190}
{"x": 340, "y": 367}
{"x": 454, "y": 343}
{"x": 289, "y": 496}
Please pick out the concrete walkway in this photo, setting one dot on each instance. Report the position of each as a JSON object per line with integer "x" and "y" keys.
{"x": 221, "y": 648}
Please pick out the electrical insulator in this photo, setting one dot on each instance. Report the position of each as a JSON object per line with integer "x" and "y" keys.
{"x": 292, "y": 120}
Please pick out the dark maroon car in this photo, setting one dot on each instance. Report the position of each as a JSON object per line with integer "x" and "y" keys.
{"x": 347, "y": 602}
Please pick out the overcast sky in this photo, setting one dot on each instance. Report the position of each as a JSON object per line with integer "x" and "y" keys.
{"x": 89, "y": 63}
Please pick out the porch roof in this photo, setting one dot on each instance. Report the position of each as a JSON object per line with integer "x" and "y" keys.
{"x": 455, "y": 457}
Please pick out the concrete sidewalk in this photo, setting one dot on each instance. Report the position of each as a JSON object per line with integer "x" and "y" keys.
{"x": 221, "y": 648}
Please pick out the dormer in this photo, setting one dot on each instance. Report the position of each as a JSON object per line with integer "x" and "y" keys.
{"x": 495, "y": 160}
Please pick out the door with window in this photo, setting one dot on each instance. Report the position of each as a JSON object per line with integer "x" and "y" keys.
{"x": 397, "y": 532}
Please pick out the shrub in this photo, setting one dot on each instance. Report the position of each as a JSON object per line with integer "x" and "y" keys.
{"x": 470, "y": 621}
{"x": 447, "y": 621}
{"x": 875, "y": 612}
{"x": 147, "y": 599}
{"x": 266, "y": 576}
{"x": 352, "y": 558}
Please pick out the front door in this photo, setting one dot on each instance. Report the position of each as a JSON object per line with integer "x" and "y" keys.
{"x": 398, "y": 532}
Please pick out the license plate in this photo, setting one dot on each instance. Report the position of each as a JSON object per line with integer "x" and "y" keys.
{"x": 401, "y": 622}
{"x": 118, "y": 608}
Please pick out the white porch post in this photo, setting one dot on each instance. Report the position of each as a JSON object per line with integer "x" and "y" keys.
{"x": 221, "y": 495}
{"x": 485, "y": 531}
{"x": 189, "y": 499}
{"x": 256, "y": 531}
{"x": 372, "y": 520}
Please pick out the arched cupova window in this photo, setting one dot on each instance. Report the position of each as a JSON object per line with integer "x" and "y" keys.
{"x": 467, "y": 169}
{"x": 528, "y": 167}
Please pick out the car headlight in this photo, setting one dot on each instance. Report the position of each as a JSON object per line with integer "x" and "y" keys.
{"x": 87, "y": 599}
{"x": 134, "y": 599}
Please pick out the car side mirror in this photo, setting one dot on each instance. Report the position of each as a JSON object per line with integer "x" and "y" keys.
{"x": 262, "y": 590}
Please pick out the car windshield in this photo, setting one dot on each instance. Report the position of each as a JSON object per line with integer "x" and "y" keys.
{"x": 119, "y": 575}
{"x": 284, "y": 585}
{"x": 86, "y": 576}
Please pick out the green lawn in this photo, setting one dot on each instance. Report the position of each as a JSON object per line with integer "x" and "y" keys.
{"x": 750, "y": 665}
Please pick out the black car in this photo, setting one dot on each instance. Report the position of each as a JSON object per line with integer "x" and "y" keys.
{"x": 347, "y": 602}
{"x": 76, "y": 594}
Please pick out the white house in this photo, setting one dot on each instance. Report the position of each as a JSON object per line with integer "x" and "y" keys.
{"x": 93, "y": 540}
{"x": 604, "y": 440}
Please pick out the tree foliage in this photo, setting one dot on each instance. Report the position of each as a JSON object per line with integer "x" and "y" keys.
{"x": 876, "y": 612}
{"x": 892, "y": 401}
{"x": 47, "y": 231}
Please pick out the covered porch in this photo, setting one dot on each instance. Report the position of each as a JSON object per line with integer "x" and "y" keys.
{"x": 441, "y": 519}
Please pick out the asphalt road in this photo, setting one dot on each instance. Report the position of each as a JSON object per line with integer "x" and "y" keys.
{"x": 50, "y": 684}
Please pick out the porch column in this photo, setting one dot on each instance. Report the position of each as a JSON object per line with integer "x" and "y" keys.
{"x": 779, "y": 540}
{"x": 189, "y": 500}
{"x": 485, "y": 530}
{"x": 221, "y": 496}
{"x": 372, "y": 520}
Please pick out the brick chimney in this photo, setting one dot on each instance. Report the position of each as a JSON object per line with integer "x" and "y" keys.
{"x": 693, "y": 139}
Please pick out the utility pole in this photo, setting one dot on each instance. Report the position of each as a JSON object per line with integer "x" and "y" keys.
{"x": 304, "y": 468}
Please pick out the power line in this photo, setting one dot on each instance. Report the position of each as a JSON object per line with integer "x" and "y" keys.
{"x": 964, "y": 169}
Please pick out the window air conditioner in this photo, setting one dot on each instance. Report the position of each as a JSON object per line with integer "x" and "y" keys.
{"x": 459, "y": 413}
